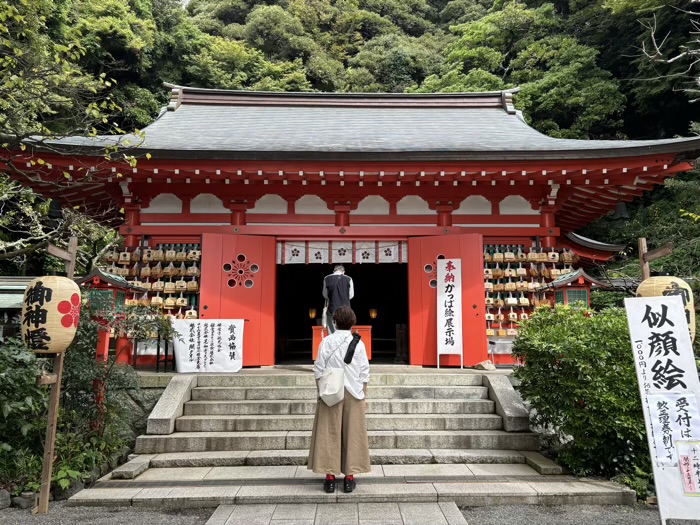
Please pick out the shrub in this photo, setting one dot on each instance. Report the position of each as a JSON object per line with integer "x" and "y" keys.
{"x": 22, "y": 406}
{"x": 93, "y": 424}
{"x": 579, "y": 378}
{"x": 601, "y": 299}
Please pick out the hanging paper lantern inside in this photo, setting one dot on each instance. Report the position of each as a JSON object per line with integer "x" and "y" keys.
{"x": 50, "y": 314}
{"x": 663, "y": 286}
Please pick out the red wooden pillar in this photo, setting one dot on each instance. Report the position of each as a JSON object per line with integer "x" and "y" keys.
{"x": 238, "y": 212}
{"x": 444, "y": 211}
{"x": 495, "y": 204}
{"x": 342, "y": 214}
{"x": 547, "y": 221}
{"x": 132, "y": 218}
{"x": 102, "y": 344}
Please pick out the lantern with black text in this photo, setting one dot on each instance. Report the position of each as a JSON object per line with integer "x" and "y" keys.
{"x": 666, "y": 285}
{"x": 50, "y": 314}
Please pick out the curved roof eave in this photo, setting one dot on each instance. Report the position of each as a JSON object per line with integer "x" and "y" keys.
{"x": 686, "y": 150}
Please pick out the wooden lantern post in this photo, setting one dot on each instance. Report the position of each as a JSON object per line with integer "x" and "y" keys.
{"x": 54, "y": 380}
{"x": 645, "y": 257}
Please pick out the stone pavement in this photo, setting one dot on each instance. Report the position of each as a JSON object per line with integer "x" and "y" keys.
{"x": 442, "y": 513}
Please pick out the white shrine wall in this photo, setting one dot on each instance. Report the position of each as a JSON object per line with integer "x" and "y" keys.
{"x": 207, "y": 203}
{"x": 164, "y": 203}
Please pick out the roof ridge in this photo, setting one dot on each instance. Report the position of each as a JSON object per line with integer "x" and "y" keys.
{"x": 193, "y": 95}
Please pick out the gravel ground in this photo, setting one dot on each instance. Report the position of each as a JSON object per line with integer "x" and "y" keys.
{"x": 567, "y": 515}
{"x": 59, "y": 514}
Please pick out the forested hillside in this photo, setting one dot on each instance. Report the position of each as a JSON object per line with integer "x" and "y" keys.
{"x": 579, "y": 62}
{"x": 586, "y": 68}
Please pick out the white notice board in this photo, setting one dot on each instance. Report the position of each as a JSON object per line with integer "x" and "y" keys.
{"x": 670, "y": 390}
{"x": 449, "y": 308}
{"x": 211, "y": 345}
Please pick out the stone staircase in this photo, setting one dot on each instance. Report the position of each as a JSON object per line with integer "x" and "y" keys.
{"x": 434, "y": 435}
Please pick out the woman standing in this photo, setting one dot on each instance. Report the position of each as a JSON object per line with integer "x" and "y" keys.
{"x": 339, "y": 438}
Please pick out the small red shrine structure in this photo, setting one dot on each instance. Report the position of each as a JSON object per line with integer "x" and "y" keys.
{"x": 107, "y": 295}
{"x": 274, "y": 188}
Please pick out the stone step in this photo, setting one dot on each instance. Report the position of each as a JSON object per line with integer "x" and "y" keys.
{"x": 456, "y": 472}
{"x": 466, "y": 378}
{"x": 481, "y": 492}
{"x": 305, "y": 422}
{"x": 394, "y": 456}
{"x": 430, "y": 439}
{"x": 230, "y": 393}
{"x": 374, "y": 406}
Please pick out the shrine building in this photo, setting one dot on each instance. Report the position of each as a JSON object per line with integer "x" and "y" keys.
{"x": 257, "y": 195}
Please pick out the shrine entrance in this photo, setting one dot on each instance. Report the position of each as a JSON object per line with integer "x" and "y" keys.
{"x": 381, "y": 301}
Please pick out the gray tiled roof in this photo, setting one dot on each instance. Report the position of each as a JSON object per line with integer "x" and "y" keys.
{"x": 211, "y": 124}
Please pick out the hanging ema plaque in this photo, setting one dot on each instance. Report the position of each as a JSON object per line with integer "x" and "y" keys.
{"x": 50, "y": 314}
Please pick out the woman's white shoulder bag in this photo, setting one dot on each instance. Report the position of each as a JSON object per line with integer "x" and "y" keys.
{"x": 331, "y": 384}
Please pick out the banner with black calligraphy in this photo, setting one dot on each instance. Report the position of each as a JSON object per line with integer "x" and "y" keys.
{"x": 672, "y": 416}
{"x": 209, "y": 345}
{"x": 449, "y": 306}
{"x": 670, "y": 389}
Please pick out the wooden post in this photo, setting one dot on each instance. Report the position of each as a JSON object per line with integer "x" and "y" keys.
{"x": 645, "y": 257}
{"x": 646, "y": 273}
{"x": 73, "y": 251}
{"x": 42, "y": 501}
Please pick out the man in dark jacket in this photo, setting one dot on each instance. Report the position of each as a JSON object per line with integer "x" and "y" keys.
{"x": 338, "y": 289}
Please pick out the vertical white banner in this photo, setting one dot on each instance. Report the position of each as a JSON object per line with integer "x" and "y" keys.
{"x": 449, "y": 307}
{"x": 670, "y": 389}
{"x": 212, "y": 345}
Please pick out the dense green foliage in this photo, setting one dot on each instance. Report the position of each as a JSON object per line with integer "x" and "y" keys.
{"x": 579, "y": 63}
{"x": 92, "y": 428}
{"x": 576, "y": 361}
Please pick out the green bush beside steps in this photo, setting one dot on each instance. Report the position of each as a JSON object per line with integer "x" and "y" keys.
{"x": 580, "y": 383}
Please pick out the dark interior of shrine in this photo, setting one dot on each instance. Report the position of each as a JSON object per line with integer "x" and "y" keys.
{"x": 381, "y": 287}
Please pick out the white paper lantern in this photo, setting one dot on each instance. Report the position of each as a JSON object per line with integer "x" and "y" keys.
{"x": 659, "y": 286}
{"x": 50, "y": 314}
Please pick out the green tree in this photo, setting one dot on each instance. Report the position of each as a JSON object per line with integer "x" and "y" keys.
{"x": 277, "y": 33}
{"x": 412, "y": 16}
{"x": 44, "y": 93}
{"x": 394, "y": 63}
{"x": 230, "y": 64}
{"x": 462, "y": 11}
{"x": 564, "y": 92}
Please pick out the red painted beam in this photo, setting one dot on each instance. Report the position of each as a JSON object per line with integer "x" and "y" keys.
{"x": 336, "y": 233}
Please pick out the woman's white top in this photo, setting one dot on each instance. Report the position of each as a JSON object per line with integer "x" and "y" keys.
{"x": 331, "y": 354}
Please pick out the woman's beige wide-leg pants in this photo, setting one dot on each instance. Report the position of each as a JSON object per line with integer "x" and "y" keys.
{"x": 339, "y": 442}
